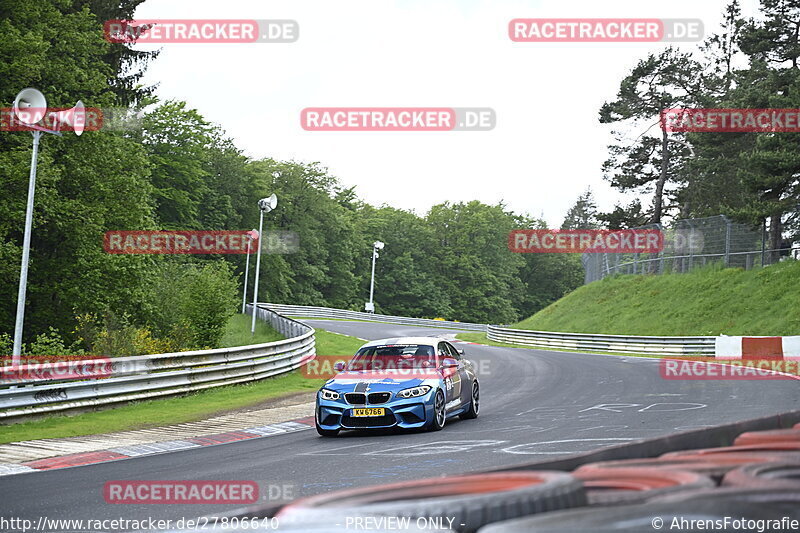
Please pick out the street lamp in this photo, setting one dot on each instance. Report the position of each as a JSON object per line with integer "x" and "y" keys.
{"x": 370, "y": 305}
{"x": 30, "y": 107}
{"x": 252, "y": 235}
{"x": 265, "y": 205}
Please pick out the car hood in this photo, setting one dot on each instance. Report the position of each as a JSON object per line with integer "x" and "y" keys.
{"x": 380, "y": 381}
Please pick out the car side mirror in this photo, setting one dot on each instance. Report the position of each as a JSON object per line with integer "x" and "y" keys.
{"x": 449, "y": 362}
{"x": 339, "y": 366}
{"x": 460, "y": 350}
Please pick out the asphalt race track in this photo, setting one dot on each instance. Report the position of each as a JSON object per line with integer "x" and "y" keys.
{"x": 534, "y": 405}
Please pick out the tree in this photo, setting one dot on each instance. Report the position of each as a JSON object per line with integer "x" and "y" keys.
{"x": 84, "y": 186}
{"x": 657, "y": 83}
{"x": 583, "y": 214}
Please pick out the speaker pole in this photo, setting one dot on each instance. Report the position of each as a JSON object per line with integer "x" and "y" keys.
{"x": 30, "y": 107}
{"x": 26, "y": 249}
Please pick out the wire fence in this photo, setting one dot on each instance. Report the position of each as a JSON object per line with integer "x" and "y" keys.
{"x": 689, "y": 244}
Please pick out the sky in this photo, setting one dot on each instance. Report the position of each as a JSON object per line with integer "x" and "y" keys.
{"x": 547, "y": 146}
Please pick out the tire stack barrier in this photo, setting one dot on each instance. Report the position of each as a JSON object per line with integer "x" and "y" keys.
{"x": 465, "y": 503}
{"x": 619, "y": 488}
{"x": 758, "y": 478}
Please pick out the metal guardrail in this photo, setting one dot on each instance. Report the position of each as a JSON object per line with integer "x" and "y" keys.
{"x": 667, "y": 346}
{"x": 150, "y": 376}
{"x": 605, "y": 343}
{"x": 307, "y": 311}
{"x": 157, "y": 375}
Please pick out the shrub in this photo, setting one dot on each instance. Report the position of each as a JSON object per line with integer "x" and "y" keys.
{"x": 192, "y": 302}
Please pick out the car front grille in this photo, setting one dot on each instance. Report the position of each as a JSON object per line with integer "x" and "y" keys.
{"x": 356, "y": 398}
{"x": 379, "y": 397}
{"x": 359, "y": 398}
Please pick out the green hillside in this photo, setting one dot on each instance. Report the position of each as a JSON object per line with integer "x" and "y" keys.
{"x": 708, "y": 301}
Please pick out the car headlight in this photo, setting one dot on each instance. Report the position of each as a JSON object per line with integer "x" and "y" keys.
{"x": 327, "y": 394}
{"x": 413, "y": 392}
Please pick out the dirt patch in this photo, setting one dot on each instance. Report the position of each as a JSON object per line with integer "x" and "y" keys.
{"x": 294, "y": 398}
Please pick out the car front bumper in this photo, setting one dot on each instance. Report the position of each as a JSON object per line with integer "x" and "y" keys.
{"x": 403, "y": 413}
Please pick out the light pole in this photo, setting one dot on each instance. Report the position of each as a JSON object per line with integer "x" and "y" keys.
{"x": 265, "y": 205}
{"x": 370, "y": 305}
{"x": 251, "y": 236}
{"x": 30, "y": 107}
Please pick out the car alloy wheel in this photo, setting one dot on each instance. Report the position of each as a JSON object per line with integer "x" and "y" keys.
{"x": 475, "y": 403}
{"x": 439, "y": 412}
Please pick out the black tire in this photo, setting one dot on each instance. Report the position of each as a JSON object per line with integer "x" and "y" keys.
{"x": 471, "y": 501}
{"x": 642, "y": 517}
{"x": 713, "y": 466}
{"x": 474, "y": 404}
{"x": 771, "y": 475}
{"x": 780, "y": 496}
{"x": 439, "y": 413}
{"x": 615, "y": 486}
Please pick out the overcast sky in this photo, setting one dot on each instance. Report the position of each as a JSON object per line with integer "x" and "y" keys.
{"x": 546, "y": 149}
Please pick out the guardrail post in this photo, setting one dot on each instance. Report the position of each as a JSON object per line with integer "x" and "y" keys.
{"x": 727, "y": 240}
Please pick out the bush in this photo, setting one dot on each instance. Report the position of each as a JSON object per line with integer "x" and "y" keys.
{"x": 49, "y": 344}
{"x": 193, "y": 302}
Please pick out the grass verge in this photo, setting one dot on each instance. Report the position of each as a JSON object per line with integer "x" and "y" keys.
{"x": 237, "y": 332}
{"x": 706, "y": 301}
{"x": 187, "y": 408}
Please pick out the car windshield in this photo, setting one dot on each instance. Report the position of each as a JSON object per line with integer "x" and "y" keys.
{"x": 394, "y": 357}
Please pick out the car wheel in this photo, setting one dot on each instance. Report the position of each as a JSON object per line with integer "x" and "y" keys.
{"x": 474, "y": 404}
{"x": 439, "y": 412}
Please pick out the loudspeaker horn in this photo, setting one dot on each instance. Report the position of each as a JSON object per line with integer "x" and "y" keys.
{"x": 30, "y": 106}
{"x": 75, "y": 117}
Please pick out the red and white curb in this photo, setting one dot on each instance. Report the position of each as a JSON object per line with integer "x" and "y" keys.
{"x": 140, "y": 450}
{"x": 778, "y": 348}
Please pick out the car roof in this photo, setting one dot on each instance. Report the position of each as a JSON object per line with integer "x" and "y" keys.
{"x": 431, "y": 341}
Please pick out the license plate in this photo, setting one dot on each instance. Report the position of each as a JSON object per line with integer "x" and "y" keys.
{"x": 368, "y": 411}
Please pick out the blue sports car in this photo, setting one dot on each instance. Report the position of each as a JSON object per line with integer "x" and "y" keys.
{"x": 406, "y": 382}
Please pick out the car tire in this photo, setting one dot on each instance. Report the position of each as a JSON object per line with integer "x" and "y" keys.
{"x": 439, "y": 412}
{"x": 474, "y": 404}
